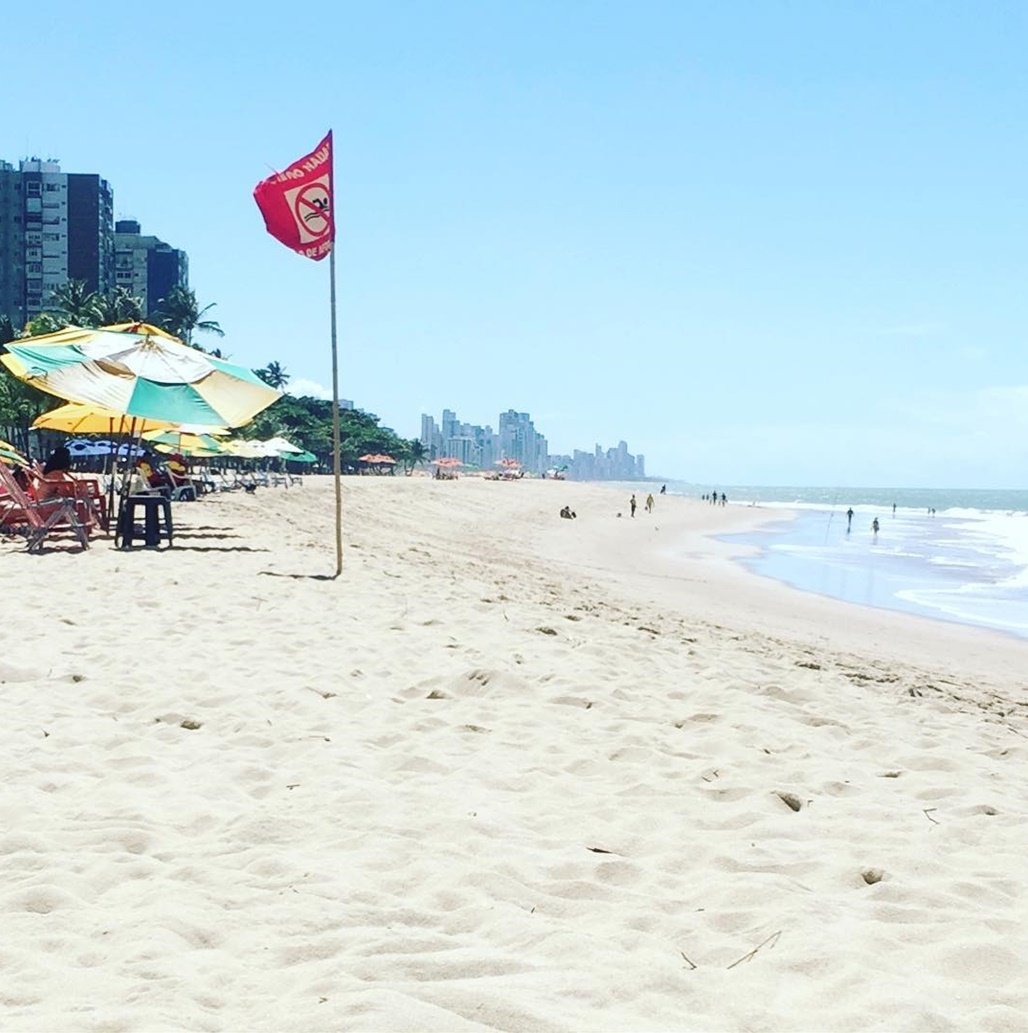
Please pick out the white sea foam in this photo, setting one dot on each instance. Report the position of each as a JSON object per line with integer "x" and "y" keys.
{"x": 963, "y": 564}
{"x": 972, "y": 604}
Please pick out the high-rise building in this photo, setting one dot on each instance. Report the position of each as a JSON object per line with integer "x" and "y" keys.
{"x": 431, "y": 437}
{"x": 54, "y": 227}
{"x": 449, "y": 423}
{"x": 478, "y": 447}
{"x": 145, "y": 266}
{"x": 519, "y": 440}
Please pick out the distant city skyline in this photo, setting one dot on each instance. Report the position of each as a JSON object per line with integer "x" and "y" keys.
{"x": 517, "y": 439}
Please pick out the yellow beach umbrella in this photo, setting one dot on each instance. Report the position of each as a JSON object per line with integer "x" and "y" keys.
{"x": 74, "y": 418}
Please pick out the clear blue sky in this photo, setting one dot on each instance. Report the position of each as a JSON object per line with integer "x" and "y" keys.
{"x": 775, "y": 243}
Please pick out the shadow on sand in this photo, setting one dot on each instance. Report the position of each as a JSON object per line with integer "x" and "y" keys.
{"x": 299, "y": 577}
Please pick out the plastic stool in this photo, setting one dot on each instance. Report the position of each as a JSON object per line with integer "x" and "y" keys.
{"x": 156, "y": 523}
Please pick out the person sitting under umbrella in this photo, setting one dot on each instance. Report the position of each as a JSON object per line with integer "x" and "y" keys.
{"x": 177, "y": 470}
{"x": 57, "y": 468}
{"x": 153, "y": 477}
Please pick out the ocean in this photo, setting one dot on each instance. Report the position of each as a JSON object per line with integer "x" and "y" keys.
{"x": 953, "y": 555}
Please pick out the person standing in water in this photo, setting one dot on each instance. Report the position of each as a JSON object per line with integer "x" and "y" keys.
{"x": 874, "y": 526}
{"x": 849, "y": 520}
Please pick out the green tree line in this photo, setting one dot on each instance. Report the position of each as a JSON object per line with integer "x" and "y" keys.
{"x": 305, "y": 421}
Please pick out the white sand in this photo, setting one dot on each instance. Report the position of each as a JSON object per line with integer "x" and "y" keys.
{"x": 510, "y": 772}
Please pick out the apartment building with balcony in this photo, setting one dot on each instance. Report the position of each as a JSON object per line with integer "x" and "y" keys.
{"x": 54, "y": 227}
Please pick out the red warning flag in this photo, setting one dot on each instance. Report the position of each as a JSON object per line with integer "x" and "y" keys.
{"x": 297, "y": 204}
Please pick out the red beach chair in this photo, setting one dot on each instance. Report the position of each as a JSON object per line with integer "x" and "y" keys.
{"x": 38, "y": 519}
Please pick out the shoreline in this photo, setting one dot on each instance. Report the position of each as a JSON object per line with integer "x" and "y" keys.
{"x": 800, "y": 574}
{"x": 722, "y": 589}
{"x": 509, "y": 772}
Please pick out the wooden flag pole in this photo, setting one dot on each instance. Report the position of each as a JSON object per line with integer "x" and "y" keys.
{"x": 335, "y": 415}
{"x": 297, "y": 206}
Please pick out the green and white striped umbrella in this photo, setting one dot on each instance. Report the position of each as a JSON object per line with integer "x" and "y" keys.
{"x": 141, "y": 371}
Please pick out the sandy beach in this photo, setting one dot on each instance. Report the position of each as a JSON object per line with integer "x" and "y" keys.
{"x": 510, "y": 772}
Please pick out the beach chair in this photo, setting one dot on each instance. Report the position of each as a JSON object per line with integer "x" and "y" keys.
{"x": 38, "y": 519}
{"x": 179, "y": 479}
{"x": 90, "y": 497}
{"x": 89, "y": 502}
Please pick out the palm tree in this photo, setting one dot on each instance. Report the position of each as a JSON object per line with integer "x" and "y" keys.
{"x": 44, "y": 323}
{"x": 119, "y": 307}
{"x": 20, "y": 404}
{"x": 76, "y": 302}
{"x": 274, "y": 375}
{"x": 415, "y": 454}
{"x": 7, "y": 331}
{"x": 180, "y": 314}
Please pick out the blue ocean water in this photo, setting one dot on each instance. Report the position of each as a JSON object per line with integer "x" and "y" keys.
{"x": 965, "y": 562}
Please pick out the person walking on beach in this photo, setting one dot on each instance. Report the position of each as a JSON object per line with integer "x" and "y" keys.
{"x": 631, "y": 505}
{"x": 874, "y": 526}
{"x": 649, "y": 503}
{"x": 849, "y": 520}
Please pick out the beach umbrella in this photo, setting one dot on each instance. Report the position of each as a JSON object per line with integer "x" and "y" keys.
{"x": 251, "y": 449}
{"x": 184, "y": 441}
{"x": 75, "y": 418}
{"x": 282, "y": 447}
{"x": 10, "y": 455}
{"x": 80, "y": 448}
{"x": 300, "y": 457}
{"x": 194, "y": 452}
{"x": 141, "y": 371}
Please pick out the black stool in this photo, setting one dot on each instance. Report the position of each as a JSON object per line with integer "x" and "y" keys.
{"x": 156, "y": 522}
